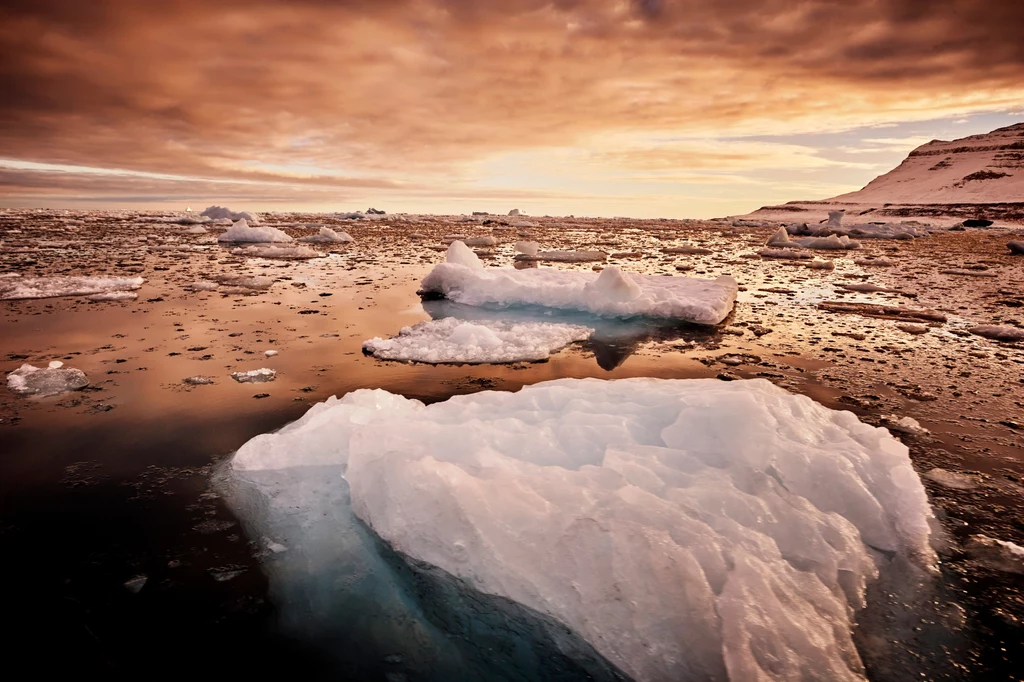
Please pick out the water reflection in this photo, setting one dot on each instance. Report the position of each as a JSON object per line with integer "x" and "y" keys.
{"x": 613, "y": 340}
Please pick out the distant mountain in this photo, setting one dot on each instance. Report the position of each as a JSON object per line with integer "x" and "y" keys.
{"x": 980, "y": 175}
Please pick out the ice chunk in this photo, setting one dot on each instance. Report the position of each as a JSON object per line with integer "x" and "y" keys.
{"x": 327, "y": 236}
{"x": 785, "y": 254}
{"x": 461, "y": 255}
{"x": 220, "y": 213}
{"x": 781, "y": 239}
{"x": 686, "y": 529}
{"x": 51, "y": 287}
{"x": 255, "y": 376}
{"x": 614, "y": 285}
{"x": 1000, "y": 555}
{"x": 39, "y": 381}
{"x": 567, "y": 256}
{"x": 241, "y": 232}
{"x": 270, "y": 353}
{"x": 999, "y": 332}
{"x": 454, "y": 340}
{"x": 279, "y": 252}
{"x": 701, "y": 301}
{"x": 481, "y": 241}
{"x": 203, "y": 285}
{"x": 527, "y": 248}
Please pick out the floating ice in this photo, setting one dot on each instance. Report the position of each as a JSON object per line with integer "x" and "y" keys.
{"x": 255, "y": 376}
{"x": 527, "y": 248}
{"x": 784, "y": 254}
{"x": 32, "y": 380}
{"x": 997, "y": 554}
{"x": 481, "y": 241}
{"x": 327, "y": 236}
{"x": 616, "y": 294}
{"x": 835, "y": 226}
{"x": 452, "y": 340}
{"x": 278, "y": 252}
{"x": 51, "y": 287}
{"x": 241, "y": 232}
{"x": 566, "y": 256}
{"x": 685, "y": 529}
{"x": 460, "y": 254}
{"x": 202, "y": 285}
{"x": 781, "y": 239}
{"x": 221, "y": 213}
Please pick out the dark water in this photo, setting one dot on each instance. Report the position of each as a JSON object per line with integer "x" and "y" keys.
{"x": 113, "y": 484}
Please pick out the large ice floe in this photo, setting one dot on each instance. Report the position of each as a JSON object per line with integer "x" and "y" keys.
{"x": 642, "y": 528}
{"x": 12, "y": 288}
{"x": 451, "y": 340}
{"x": 781, "y": 239}
{"x": 463, "y": 279}
{"x": 46, "y": 381}
{"x": 241, "y": 232}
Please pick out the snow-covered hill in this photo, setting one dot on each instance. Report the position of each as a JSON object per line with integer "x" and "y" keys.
{"x": 980, "y": 175}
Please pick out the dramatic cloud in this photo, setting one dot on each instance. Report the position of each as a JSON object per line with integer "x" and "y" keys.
{"x": 413, "y": 97}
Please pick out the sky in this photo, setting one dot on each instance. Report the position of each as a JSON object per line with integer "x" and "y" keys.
{"x": 645, "y": 108}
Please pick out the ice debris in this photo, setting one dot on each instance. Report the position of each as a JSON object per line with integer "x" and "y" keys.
{"x": 613, "y": 293}
{"x": 255, "y": 376}
{"x": 451, "y": 340}
{"x": 241, "y": 232}
{"x": 1000, "y": 555}
{"x": 781, "y": 239}
{"x": 221, "y": 213}
{"x": 51, "y": 287}
{"x": 278, "y": 252}
{"x": 52, "y": 380}
{"x": 689, "y": 529}
{"x": 113, "y": 296}
{"x": 999, "y": 332}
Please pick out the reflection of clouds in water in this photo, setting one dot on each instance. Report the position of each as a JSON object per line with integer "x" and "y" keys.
{"x": 613, "y": 340}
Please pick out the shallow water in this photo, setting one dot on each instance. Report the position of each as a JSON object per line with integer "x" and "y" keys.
{"x": 112, "y": 483}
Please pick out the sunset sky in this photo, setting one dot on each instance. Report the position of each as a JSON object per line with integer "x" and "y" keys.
{"x": 675, "y": 108}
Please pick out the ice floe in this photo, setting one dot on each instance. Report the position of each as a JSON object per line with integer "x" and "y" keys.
{"x": 46, "y": 381}
{"x": 998, "y": 332}
{"x": 278, "y": 252}
{"x": 113, "y": 296}
{"x": 51, "y": 287}
{"x": 685, "y": 529}
{"x": 781, "y": 239}
{"x": 612, "y": 293}
{"x": 451, "y": 340}
{"x": 241, "y": 232}
{"x": 327, "y": 236}
{"x": 566, "y": 256}
{"x": 255, "y": 376}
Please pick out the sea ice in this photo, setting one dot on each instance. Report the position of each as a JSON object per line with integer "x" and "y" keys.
{"x": 278, "y": 252}
{"x": 51, "y": 287}
{"x": 781, "y": 239}
{"x": 689, "y": 529}
{"x": 481, "y": 241}
{"x": 113, "y": 296}
{"x": 255, "y": 376}
{"x": 52, "y": 380}
{"x": 451, "y": 340}
{"x": 1000, "y": 555}
{"x": 612, "y": 293}
{"x": 566, "y": 256}
{"x": 999, "y": 332}
{"x": 241, "y": 232}
{"x": 327, "y": 236}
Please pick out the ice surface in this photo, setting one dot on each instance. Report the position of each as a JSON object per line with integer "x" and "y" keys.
{"x": 51, "y": 287}
{"x": 255, "y": 376}
{"x": 32, "y": 380}
{"x": 327, "y": 236}
{"x": 455, "y": 340}
{"x": 279, "y": 252}
{"x": 614, "y": 293}
{"x": 221, "y": 213}
{"x": 241, "y": 232}
{"x": 686, "y": 529}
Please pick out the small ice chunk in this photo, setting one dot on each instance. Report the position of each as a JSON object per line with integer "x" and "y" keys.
{"x": 911, "y": 328}
{"x": 614, "y": 285}
{"x": 528, "y": 248}
{"x": 328, "y": 236}
{"x": 1000, "y": 555}
{"x": 999, "y": 332}
{"x": 569, "y": 256}
{"x": 55, "y": 364}
{"x": 197, "y": 381}
{"x": 39, "y": 381}
{"x": 255, "y": 376}
{"x": 460, "y": 254}
{"x": 951, "y": 479}
{"x": 904, "y": 425}
{"x": 270, "y": 353}
{"x": 202, "y": 285}
{"x": 821, "y": 264}
{"x": 113, "y": 296}
{"x": 784, "y": 254}
{"x": 451, "y": 340}
{"x": 240, "y": 232}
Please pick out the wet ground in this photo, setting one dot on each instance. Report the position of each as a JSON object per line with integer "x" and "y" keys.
{"x": 121, "y": 558}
